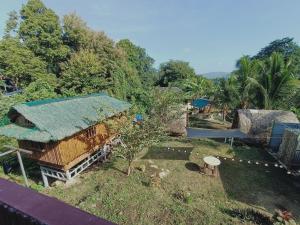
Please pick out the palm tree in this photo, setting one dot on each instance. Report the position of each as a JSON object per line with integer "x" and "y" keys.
{"x": 227, "y": 96}
{"x": 195, "y": 87}
{"x": 276, "y": 83}
{"x": 247, "y": 69}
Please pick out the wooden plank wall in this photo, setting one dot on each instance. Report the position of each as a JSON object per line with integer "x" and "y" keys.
{"x": 72, "y": 148}
{"x": 70, "y": 151}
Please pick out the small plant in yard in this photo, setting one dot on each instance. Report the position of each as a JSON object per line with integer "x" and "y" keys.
{"x": 183, "y": 196}
{"x": 137, "y": 137}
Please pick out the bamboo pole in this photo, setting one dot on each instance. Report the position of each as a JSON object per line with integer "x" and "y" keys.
{"x": 22, "y": 168}
{"x": 18, "y": 150}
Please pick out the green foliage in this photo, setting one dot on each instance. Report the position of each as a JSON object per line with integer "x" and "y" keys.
{"x": 269, "y": 84}
{"x": 39, "y": 89}
{"x": 126, "y": 82}
{"x": 7, "y": 102}
{"x": 198, "y": 86}
{"x": 11, "y": 24}
{"x": 20, "y": 64}
{"x": 41, "y": 32}
{"x": 174, "y": 72}
{"x": 138, "y": 137}
{"x": 289, "y": 49}
{"x": 75, "y": 32}
{"x": 279, "y": 80}
{"x": 162, "y": 108}
{"x": 85, "y": 72}
{"x": 227, "y": 94}
{"x": 140, "y": 60}
{"x": 286, "y": 46}
{"x": 96, "y": 63}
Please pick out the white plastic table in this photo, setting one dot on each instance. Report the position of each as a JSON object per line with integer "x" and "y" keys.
{"x": 211, "y": 163}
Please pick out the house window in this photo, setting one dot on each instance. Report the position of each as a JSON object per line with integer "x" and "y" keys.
{"x": 91, "y": 132}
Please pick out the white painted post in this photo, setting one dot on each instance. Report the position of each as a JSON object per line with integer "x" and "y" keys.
{"x": 68, "y": 175}
{"x": 22, "y": 168}
{"x": 45, "y": 179}
{"x": 225, "y": 140}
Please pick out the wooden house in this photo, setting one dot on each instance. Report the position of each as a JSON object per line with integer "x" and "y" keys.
{"x": 63, "y": 132}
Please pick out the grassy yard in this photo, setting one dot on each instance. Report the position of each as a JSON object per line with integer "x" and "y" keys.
{"x": 242, "y": 194}
{"x": 184, "y": 196}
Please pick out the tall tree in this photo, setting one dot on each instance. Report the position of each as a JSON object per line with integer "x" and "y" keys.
{"x": 247, "y": 68}
{"x": 277, "y": 82}
{"x": 286, "y": 46}
{"x": 76, "y": 32}
{"x": 174, "y": 72}
{"x": 140, "y": 60}
{"x": 85, "y": 72}
{"x": 20, "y": 64}
{"x": 199, "y": 86}
{"x": 11, "y": 24}
{"x": 227, "y": 95}
{"x": 41, "y": 32}
{"x": 120, "y": 78}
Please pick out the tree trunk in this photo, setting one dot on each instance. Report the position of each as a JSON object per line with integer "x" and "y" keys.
{"x": 129, "y": 169}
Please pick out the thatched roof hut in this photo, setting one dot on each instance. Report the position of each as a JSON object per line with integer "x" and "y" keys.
{"x": 289, "y": 151}
{"x": 257, "y": 124}
{"x": 177, "y": 126}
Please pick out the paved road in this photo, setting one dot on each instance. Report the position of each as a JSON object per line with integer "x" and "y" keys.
{"x": 213, "y": 133}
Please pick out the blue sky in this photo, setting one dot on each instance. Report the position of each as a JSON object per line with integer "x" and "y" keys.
{"x": 211, "y": 35}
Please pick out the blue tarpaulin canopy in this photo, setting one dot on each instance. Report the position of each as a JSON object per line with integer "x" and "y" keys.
{"x": 200, "y": 102}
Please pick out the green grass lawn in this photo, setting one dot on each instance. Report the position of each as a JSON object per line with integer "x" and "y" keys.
{"x": 242, "y": 194}
{"x": 184, "y": 196}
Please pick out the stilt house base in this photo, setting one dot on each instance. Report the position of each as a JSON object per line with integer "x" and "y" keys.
{"x": 68, "y": 175}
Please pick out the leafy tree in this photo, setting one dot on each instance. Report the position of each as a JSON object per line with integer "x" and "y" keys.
{"x": 268, "y": 84}
{"x": 39, "y": 89}
{"x": 140, "y": 60}
{"x": 41, "y": 32}
{"x": 126, "y": 83}
{"x": 289, "y": 49}
{"x": 227, "y": 94}
{"x": 277, "y": 82}
{"x": 117, "y": 76}
{"x": 75, "y": 32}
{"x": 136, "y": 138}
{"x": 198, "y": 86}
{"x": 7, "y": 102}
{"x": 85, "y": 72}
{"x": 163, "y": 108}
{"x": 20, "y": 64}
{"x": 247, "y": 69}
{"x": 174, "y": 72}
{"x": 11, "y": 24}
{"x": 286, "y": 46}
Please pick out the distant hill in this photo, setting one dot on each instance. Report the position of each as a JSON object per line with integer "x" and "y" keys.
{"x": 213, "y": 75}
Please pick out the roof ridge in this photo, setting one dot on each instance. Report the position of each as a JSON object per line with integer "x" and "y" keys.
{"x": 61, "y": 99}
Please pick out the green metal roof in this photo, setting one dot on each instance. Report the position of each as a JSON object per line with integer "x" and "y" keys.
{"x": 56, "y": 119}
{"x": 22, "y": 133}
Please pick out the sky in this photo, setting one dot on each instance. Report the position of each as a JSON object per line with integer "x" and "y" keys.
{"x": 210, "y": 35}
